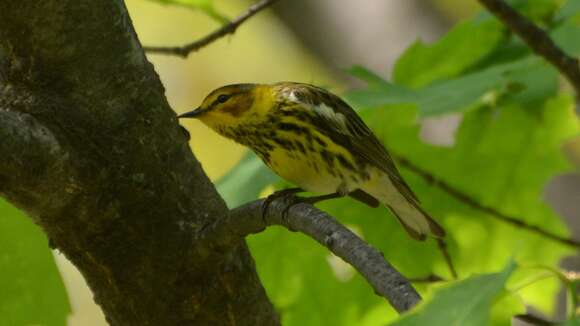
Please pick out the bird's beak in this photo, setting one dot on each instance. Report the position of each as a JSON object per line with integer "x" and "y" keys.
{"x": 192, "y": 114}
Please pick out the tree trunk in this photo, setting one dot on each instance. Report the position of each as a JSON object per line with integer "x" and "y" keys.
{"x": 93, "y": 153}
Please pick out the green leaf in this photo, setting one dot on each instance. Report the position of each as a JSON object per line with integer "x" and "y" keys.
{"x": 541, "y": 12}
{"x": 535, "y": 77}
{"x": 571, "y": 322}
{"x": 503, "y": 157}
{"x": 466, "y": 303}
{"x": 373, "y": 80}
{"x": 530, "y": 85}
{"x": 205, "y": 6}
{"x": 245, "y": 181}
{"x": 569, "y": 9}
{"x": 381, "y": 93}
{"x": 32, "y": 291}
{"x": 462, "y": 47}
{"x": 507, "y": 148}
{"x": 571, "y": 149}
{"x": 566, "y": 36}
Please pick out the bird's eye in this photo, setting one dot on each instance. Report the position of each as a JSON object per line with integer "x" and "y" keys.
{"x": 223, "y": 98}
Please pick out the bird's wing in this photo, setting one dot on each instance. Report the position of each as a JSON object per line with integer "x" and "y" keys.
{"x": 337, "y": 120}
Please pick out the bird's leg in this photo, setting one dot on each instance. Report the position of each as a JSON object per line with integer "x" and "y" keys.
{"x": 315, "y": 199}
{"x": 365, "y": 198}
{"x": 278, "y": 194}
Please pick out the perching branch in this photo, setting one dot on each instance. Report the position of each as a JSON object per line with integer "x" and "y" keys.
{"x": 537, "y": 39}
{"x": 470, "y": 201}
{"x": 305, "y": 218}
{"x": 230, "y": 28}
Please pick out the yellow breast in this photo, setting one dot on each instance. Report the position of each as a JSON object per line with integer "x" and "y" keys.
{"x": 306, "y": 172}
{"x": 313, "y": 162}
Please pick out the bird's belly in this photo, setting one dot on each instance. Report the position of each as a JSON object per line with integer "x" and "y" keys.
{"x": 306, "y": 172}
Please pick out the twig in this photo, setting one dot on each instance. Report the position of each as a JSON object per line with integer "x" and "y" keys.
{"x": 468, "y": 200}
{"x": 230, "y": 28}
{"x": 534, "y": 320}
{"x": 442, "y": 245}
{"x": 431, "y": 278}
{"x": 305, "y": 218}
{"x": 537, "y": 39}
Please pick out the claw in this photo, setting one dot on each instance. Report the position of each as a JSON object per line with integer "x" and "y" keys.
{"x": 291, "y": 202}
{"x": 278, "y": 194}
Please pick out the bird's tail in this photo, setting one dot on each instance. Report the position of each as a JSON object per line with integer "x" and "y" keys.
{"x": 417, "y": 222}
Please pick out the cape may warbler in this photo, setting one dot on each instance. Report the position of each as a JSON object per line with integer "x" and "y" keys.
{"x": 315, "y": 140}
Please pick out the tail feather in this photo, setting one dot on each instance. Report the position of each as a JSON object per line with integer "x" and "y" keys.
{"x": 410, "y": 230}
{"x": 435, "y": 228}
{"x": 417, "y": 222}
{"x": 398, "y": 197}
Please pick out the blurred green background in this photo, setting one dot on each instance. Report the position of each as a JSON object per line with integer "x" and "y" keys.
{"x": 441, "y": 84}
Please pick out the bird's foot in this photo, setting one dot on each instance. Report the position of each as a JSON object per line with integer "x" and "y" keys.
{"x": 284, "y": 193}
{"x": 291, "y": 202}
{"x": 308, "y": 200}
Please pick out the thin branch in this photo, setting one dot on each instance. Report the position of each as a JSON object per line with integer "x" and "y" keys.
{"x": 431, "y": 278}
{"x": 305, "y": 218}
{"x": 534, "y": 320}
{"x": 230, "y": 28}
{"x": 537, "y": 39}
{"x": 442, "y": 246}
{"x": 470, "y": 201}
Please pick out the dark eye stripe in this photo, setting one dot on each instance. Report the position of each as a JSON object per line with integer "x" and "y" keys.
{"x": 220, "y": 99}
{"x": 223, "y": 98}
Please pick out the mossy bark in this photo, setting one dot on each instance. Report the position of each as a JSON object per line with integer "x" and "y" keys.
{"x": 91, "y": 150}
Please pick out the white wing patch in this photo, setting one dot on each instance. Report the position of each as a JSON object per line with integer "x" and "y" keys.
{"x": 336, "y": 118}
{"x": 292, "y": 97}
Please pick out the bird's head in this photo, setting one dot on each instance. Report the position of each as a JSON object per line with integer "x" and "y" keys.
{"x": 232, "y": 105}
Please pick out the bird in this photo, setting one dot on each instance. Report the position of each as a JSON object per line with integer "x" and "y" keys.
{"x": 315, "y": 140}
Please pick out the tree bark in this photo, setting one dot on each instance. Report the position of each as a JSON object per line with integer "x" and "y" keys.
{"x": 93, "y": 153}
